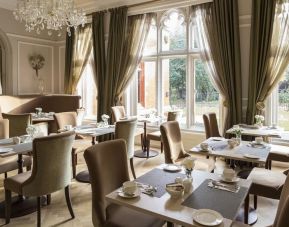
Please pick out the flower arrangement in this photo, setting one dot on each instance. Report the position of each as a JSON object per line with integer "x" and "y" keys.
{"x": 259, "y": 119}
{"x": 189, "y": 164}
{"x": 37, "y": 62}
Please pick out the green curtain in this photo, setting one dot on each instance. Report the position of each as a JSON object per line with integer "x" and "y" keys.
{"x": 1, "y": 79}
{"x": 68, "y": 58}
{"x": 218, "y": 30}
{"x": 262, "y": 21}
{"x": 82, "y": 47}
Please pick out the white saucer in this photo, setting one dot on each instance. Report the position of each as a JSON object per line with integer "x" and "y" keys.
{"x": 251, "y": 156}
{"x": 207, "y": 217}
{"x": 123, "y": 195}
{"x": 5, "y": 150}
{"x": 260, "y": 145}
{"x": 172, "y": 168}
{"x": 234, "y": 180}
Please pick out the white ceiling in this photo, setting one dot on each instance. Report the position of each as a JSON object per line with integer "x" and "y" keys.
{"x": 87, "y": 5}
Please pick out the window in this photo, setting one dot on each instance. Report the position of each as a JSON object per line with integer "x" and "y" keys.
{"x": 171, "y": 75}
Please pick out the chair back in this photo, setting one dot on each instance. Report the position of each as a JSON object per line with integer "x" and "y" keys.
{"x": 173, "y": 115}
{"x": 173, "y": 145}
{"x": 51, "y": 164}
{"x": 281, "y": 219}
{"x": 107, "y": 166}
{"x": 211, "y": 125}
{"x": 126, "y": 130}
{"x": 17, "y": 123}
{"x": 117, "y": 113}
{"x": 4, "y": 128}
{"x": 65, "y": 118}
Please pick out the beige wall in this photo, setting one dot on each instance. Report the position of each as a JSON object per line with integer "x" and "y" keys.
{"x": 19, "y": 45}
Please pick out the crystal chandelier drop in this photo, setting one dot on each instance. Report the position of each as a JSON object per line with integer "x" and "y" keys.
{"x": 52, "y": 14}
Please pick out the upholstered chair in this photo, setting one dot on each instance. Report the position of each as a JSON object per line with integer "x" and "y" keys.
{"x": 80, "y": 144}
{"x": 174, "y": 150}
{"x": 126, "y": 130}
{"x": 4, "y": 128}
{"x": 108, "y": 169}
{"x": 17, "y": 123}
{"x": 50, "y": 173}
{"x": 156, "y": 135}
{"x": 211, "y": 125}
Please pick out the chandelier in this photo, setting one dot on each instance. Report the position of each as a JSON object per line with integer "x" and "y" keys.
{"x": 52, "y": 14}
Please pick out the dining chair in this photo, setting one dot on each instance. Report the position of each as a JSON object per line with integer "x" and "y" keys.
{"x": 108, "y": 169}
{"x": 281, "y": 218}
{"x": 4, "y": 128}
{"x": 211, "y": 125}
{"x": 18, "y": 123}
{"x": 156, "y": 135}
{"x": 50, "y": 172}
{"x": 70, "y": 118}
{"x": 174, "y": 150}
{"x": 126, "y": 130}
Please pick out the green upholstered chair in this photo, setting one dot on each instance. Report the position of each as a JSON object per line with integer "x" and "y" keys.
{"x": 174, "y": 150}
{"x": 107, "y": 166}
{"x": 126, "y": 130}
{"x": 17, "y": 123}
{"x": 80, "y": 144}
{"x": 50, "y": 173}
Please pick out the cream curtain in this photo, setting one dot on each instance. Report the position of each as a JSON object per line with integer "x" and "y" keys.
{"x": 1, "y": 62}
{"x": 82, "y": 47}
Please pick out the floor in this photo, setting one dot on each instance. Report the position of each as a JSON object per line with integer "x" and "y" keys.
{"x": 57, "y": 213}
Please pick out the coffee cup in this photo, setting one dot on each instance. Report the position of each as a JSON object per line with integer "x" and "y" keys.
{"x": 67, "y": 127}
{"x": 204, "y": 146}
{"x": 179, "y": 180}
{"x": 231, "y": 143}
{"x": 16, "y": 140}
{"x": 229, "y": 174}
{"x": 129, "y": 187}
{"x": 258, "y": 140}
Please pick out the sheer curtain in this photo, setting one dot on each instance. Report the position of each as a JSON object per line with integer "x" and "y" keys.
{"x": 1, "y": 71}
{"x": 218, "y": 29}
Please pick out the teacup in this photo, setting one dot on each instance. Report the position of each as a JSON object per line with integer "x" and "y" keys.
{"x": 258, "y": 140}
{"x": 232, "y": 143}
{"x": 204, "y": 146}
{"x": 129, "y": 187}
{"x": 16, "y": 140}
{"x": 67, "y": 127}
{"x": 229, "y": 174}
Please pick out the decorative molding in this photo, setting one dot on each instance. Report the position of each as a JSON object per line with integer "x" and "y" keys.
{"x": 61, "y": 77}
{"x": 35, "y": 39}
{"x": 18, "y": 67}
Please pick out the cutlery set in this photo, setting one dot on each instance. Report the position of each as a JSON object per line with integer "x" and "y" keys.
{"x": 224, "y": 186}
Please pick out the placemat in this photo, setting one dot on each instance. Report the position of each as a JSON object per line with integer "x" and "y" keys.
{"x": 259, "y": 152}
{"x": 226, "y": 203}
{"x": 159, "y": 178}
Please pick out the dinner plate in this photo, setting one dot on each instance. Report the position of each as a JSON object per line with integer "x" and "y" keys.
{"x": 5, "y": 150}
{"x": 234, "y": 180}
{"x": 207, "y": 217}
{"x": 126, "y": 196}
{"x": 251, "y": 156}
{"x": 172, "y": 168}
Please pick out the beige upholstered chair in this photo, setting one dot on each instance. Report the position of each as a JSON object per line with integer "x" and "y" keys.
{"x": 17, "y": 123}
{"x": 156, "y": 135}
{"x": 126, "y": 130}
{"x": 4, "y": 128}
{"x": 211, "y": 125}
{"x": 107, "y": 166}
{"x": 50, "y": 173}
{"x": 70, "y": 118}
{"x": 174, "y": 150}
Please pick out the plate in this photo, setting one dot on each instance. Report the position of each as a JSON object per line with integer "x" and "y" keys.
{"x": 207, "y": 217}
{"x": 234, "y": 180}
{"x": 5, "y": 150}
{"x": 172, "y": 168}
{"x": 259, "y": 145}
{"x": 126, "y": 196}
{"x": 251, "y": 156}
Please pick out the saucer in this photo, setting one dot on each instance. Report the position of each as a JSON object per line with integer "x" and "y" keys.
{"x": 251, "y": 156}
{"x": 234, "y": 180}
{"x": 124, "y": 195}
{"x": 207, "y": 217}
{"x": 172, "y": 168}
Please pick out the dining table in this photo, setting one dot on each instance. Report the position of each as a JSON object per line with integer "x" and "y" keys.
{"x": 182, "y": 210}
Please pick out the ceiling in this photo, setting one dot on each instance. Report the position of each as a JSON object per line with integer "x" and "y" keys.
{"x": 87, "y": 5}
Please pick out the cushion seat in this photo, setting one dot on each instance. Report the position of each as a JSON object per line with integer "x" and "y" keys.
{"x": 154, "y": 136}
{"x": 10, "y": 163}
{"x": 15, "y": 183}
{"x": 115, "y": 218}
{"x": 279, "y": 153}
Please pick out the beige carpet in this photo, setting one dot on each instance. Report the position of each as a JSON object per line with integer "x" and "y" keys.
{"x": 57, "y": 213}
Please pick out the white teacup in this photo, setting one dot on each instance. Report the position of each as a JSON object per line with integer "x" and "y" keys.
{"x": 229, "y": 174}
{"x": 129, "y": 187}
{"x": 67, "y": 127}
{"x": 204, "y": 146}
{"x": 232, "y": 143}
{"x": 258, "y": 140}
{"x": 16, "y": 140}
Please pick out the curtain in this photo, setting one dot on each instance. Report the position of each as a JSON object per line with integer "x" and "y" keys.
{"x": 80, "y": 49}
{"x": 260, "y": 43}
{"x": 218, "y": 33}
{"x": 1, "y": 80}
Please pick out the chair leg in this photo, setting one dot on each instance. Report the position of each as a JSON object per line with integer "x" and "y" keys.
{"x": 68, "y": 201}
{"x": 255, "y": 201}
{"x": 73, "y": 160}
{"x": 148, "y": 147}
{"x": 48, "y": 199}
{"x": 5, "y": 175}
{"x": 141, "y": 141}
{"x": 38, "y": 211}
{"x": 170, "y": 224}
{"x": 246, "y": 209}
{"x": 7, "y": 206}
{"x": 162, "y": 147}
{"x": 132, "y": 167}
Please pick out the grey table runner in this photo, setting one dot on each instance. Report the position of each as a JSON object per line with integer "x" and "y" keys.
{"x": 226, "y": 203}
{"x": 259, "y": 152}
{"x": 159, "y": 178}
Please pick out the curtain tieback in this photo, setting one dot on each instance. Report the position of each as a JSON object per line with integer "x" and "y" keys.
{"x": 225, "y": 103}
{"x": 260, "y": 105}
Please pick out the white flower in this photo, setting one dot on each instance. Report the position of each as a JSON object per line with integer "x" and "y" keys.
{"x": 259, "y": 118}
{"x": 189, "y": 163}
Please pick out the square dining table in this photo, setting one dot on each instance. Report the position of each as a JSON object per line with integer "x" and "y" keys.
{"x": 180, "y": 211}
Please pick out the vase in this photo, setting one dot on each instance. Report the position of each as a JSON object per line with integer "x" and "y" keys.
{"x": 189, "y": 173}
{"x": 187, "y": 183}
{"x": 238, "y": 139}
